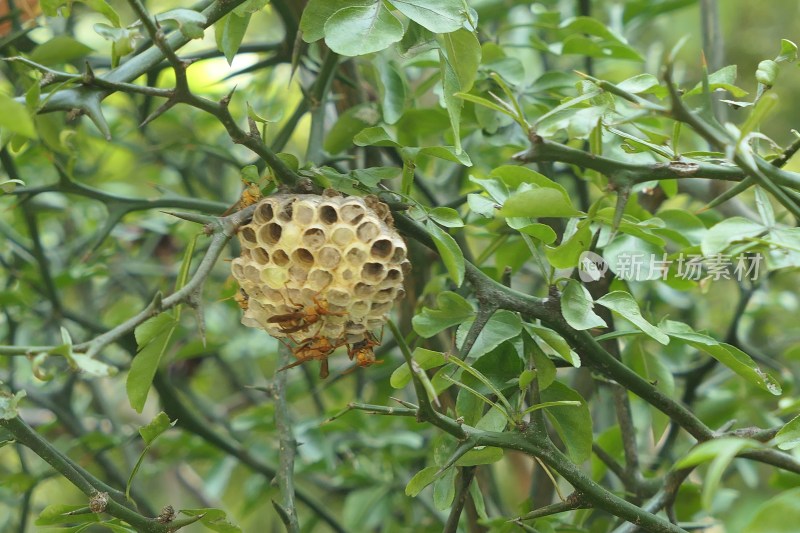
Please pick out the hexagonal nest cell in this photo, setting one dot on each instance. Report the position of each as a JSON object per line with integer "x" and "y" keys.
{"x": 320, "y": 267}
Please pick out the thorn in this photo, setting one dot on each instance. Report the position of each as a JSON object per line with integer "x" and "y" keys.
{"x": 163, "y": 108}
{"x": 95, "y": 113}
{"x": 227, "y": 98}
{"x": 88, "y": 75}
{"x": 253, "y": 128}
{"x": 192, "y": 217}
{"x": 296, "y": 53}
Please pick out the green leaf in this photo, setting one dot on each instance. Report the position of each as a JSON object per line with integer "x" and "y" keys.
{"x": 539, "y": 202}
{"x": 788, "y": 51}
{"x": 422, "y": 479}
{"x": 448, "y": 153}
{"x": 393, "y": 89}
{"x": 576, "y": 307}
{"x": 351, "y": 122}
{"x": 623, "y": 304}
{"x": 541, "y": 232}
{"x": 459, "y": 59}
{"x": 359, "y": 30}
{"x": 60, "y": 49}
{"x": 156, "y": 427}
{"x": 551, "y": 343}
{"x": 452, "y": 309}
{"x": 153, "y": 339}
{"x": 191, "y": 23}
{"x": 438, "y": 16}
{"x": 573, "y": 424}
{"x": 375, "y": 136}
{"x": 567, "y": 254}
{"x": 8, "y": 186}
{"x": 213, "y": 519}
{"x": 779, "y": 514}
{"x": 480, "y": 456}
{"x": 545, "y": 369}
{"x": 451, "y": 254}
{"x": 544, "y": 405}
{"x": 481, "y": 205}
{"x": 15, "y": 118}
{"x": 728, "y": 355}
{"x": 317, "y": 13}
{"x": 8, "y": 404}
{"x": 722, "y": 451}
{"x": 789, "y": 435}
{"x": 446, "y": 216}
{"x": 57, "y": 514}
{"x": 229, "y": 32}
{"x": 724, "y": 79}
{"x": 764, "y": 207}
{"x": 502, "y": 326}
{"x": 425, "y": 359}
{"x": 249, "y": 7}
{"x": 728, "y": 231}
{"x": 444, "y": 489}
{"x": 639, "y": 84}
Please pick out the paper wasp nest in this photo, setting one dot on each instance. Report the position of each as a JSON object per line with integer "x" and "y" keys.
{"x": 337, "y": 256}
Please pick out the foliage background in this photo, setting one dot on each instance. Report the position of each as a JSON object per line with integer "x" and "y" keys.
{"x": 65, "y": 265}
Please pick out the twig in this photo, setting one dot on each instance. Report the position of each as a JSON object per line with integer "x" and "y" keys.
{"x": 287, "y": 444}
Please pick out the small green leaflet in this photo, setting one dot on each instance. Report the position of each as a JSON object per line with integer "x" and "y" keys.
{"x": 576, "y": 307}
{"x": 153, "y": 339}
{"x": 359, "y": 30}
{"x": 459, "y": 58}
{"x": 722, "y": 451}
{"x": 452, "y": 309}
{"x": 451, "y": 254}
{"x": 789, "y": 435}
{"x": 623, "y": 304}
{"x": 229, "y": 32}
{"x": 438, "y": 16}
{"x": 728, "y": 355}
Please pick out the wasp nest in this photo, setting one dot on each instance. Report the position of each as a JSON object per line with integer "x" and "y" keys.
{"x": 320, "y": 267}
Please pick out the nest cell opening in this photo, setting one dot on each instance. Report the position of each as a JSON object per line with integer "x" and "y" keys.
{"x": 252, "y": 274}
{"x": 342, "y": 236}
{"x": 319, "y": 279}
{"x": 367, "y": 231}
{"x": 356, "y": 255}
{"x": 264, "y": 213}
{"x": 260, "y": 255}
{"x": 298, "y": 274}
{"x": 328, "y": 214}
{"x": 338, "y": 297}
{"x": 353, "y": 213}
{"x": 249, "y": 236}
{"x": 329, "y": 257}
{"x": 286, "y": 210}
{"x": 270, "y": 234}
{"x": 303, "y": 258}
{"x": 381, "y": 249}
{"x": 399, "y": 255}
{"x": 359, "y": 309}
{"x": 280, "y": 258}
{"x": 373, "y": 272}
{"x": 363, "y": 290}
{"x": 303, "y": 214}
{"x": 314, "y": 238}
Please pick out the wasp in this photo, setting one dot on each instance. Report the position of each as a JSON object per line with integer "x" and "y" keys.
{"x": 250, "y": 195}
{"x": 362, "y": 351}
{"x": 242, "y": 299}
{"x": 317, "y": 348}
{"x": 303, "y": 317}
